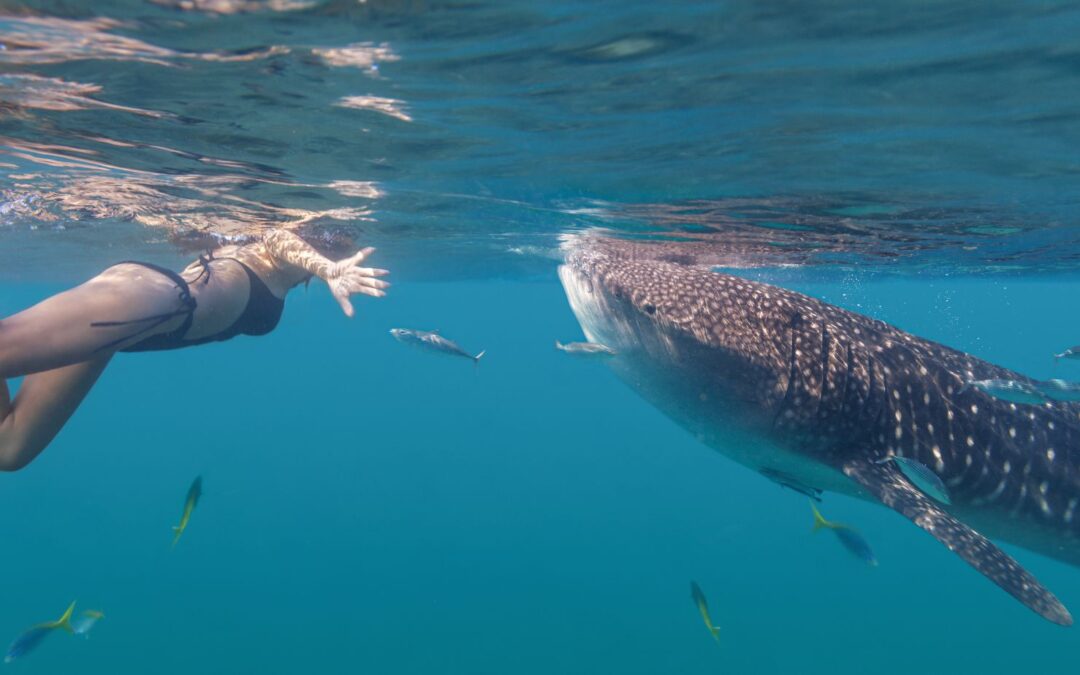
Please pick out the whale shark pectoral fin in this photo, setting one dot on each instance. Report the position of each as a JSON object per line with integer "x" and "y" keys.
{"x": 887, "y": 484}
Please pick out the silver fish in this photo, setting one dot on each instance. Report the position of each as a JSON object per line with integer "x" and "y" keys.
{"x": 1012, "y": 391}
{"x": 921, "y": 477}
{"x": 1060, "y": 390}
{"x": 792, "y": 483}
{"x": 86, "y": 621}
{"x": 1070, "y": 353}
{"x": 431, "y": 340}
{"x": 585, "y": 348}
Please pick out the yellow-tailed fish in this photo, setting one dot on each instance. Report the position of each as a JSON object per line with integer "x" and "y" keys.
{"x": 193, "y": 494}
{"x": 851, "y": 539}
{"x": 703, "y": 606}
{"x": 33, "y": 637}
{"x": 86, "y": 621}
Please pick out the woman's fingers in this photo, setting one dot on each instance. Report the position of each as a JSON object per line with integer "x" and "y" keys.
{"x": 372, "y": 287}
{"x": 369, "y": 271}
{"x": 347, "y": 278}
{"x": 346, "y": 305}
{"x": 344, "y": 287}
{"x": 369, "y": 282}
{"x": 359, "y": 256}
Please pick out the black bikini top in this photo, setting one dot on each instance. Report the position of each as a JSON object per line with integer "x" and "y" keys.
{"x": 260, "y": 316}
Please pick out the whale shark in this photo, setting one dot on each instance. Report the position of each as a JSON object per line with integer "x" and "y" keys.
{"x": 786, "y": 384}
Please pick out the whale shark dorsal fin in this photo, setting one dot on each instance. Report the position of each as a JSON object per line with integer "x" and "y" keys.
{"x": 887, "y": 484}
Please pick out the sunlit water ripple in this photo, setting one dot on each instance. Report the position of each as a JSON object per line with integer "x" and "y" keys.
{"x": 463, "y": 138}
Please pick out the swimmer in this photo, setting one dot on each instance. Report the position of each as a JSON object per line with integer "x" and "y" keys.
{"x": 61, "y": 345}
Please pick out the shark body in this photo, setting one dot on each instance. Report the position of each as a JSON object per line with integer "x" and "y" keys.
{"x": 787, "y": 384}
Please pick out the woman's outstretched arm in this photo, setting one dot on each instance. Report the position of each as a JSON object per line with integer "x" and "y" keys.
{"x": 290, "y": 254}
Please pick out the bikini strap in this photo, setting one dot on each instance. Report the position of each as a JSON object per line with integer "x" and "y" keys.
{"x": 156, "y": 320}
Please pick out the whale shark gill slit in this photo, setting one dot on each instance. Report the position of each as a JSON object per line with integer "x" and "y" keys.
{"x": 824, "y": 370}
{"x": 888, "y": 485}
{"x": 792, "y": 379}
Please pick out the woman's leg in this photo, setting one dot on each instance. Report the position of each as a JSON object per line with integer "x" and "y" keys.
{"x": 60, "y": 330}
{"x": 41, "y": 407}
{"x": 61, "y": 352}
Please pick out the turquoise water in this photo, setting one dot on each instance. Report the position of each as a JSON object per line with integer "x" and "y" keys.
{"x": 369, "y": 507}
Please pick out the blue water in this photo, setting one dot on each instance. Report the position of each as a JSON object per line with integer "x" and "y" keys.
{"x": 372, "y": 508}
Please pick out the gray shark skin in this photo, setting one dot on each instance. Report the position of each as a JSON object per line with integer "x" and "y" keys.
{"x": 784, "y": 383}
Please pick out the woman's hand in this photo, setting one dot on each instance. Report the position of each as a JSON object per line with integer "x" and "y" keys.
{"x": 345, "y": 277}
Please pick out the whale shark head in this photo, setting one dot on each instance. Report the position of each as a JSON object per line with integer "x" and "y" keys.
{"x": 711, "y": 350}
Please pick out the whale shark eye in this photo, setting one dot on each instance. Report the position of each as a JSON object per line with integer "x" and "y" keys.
{"x": 650, "y": 309}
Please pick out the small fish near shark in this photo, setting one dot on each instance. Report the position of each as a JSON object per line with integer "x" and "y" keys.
{"x": 1012, "y": 391}
{"x": 431, "y": 340}
{"x": 792, "y": 483}
{"x": 921, "y": 477}
{"x": 190, "y": 502}
{"x": 1029, "y": 392}
{"x": 585, "y": 348}
{"x": 780, "y": 381}
{"x": 848, "y": 537}
{"x": 698, "y": 596}
{"x": 32, "y": 637}
{"x": 1060, "y": 390}
{"x": 1070, "y": 353}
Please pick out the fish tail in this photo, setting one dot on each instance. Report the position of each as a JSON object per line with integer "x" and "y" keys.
{"x": 64, "y": 622}
{"x": 819, "y": 520}
{"x": 477, "y": 357}
{"x": 558, "y": 345}
{"x": 177, "y": 531}
{"x": 715, "y": 630}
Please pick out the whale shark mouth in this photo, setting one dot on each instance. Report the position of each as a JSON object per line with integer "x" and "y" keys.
{"x": 663, "y": 319}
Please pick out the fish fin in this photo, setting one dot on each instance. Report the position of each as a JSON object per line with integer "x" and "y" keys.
{"x": 558, "y": 345}
{"x": 477, "y": 357}
{"x": 64, "y": 622}
{"x": 888, "y": 485}
{"x": 819, "y": 520}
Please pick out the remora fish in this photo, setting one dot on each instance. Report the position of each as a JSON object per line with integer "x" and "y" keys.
{"x": 587, "y": 348}
{"x": 194, "y": 492}
{"x": 703, "y": 607}
{"x": 776, "y": 379}
{"x": 921, "y": 477}
{"x": 33, "y": 636}
{"x": 791, "y": 483}
{"x": 431, "y": 340}
{"x": 1060, "y": 390}
{"x": 1070, "y": 353}
{"x": 848, "y": 536}
{"x": 1012, "y": 391}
